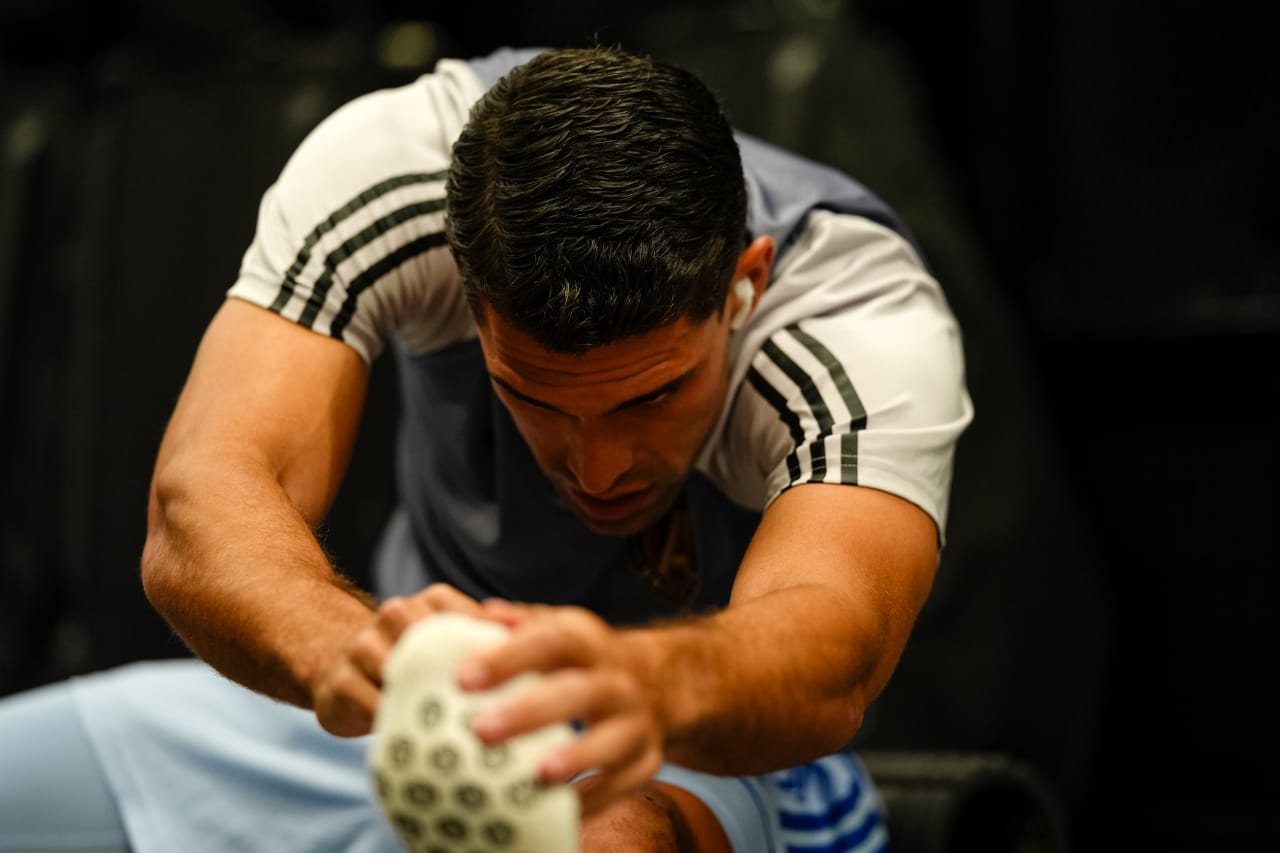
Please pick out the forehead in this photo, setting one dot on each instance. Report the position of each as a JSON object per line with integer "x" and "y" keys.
{"x": 600, "y": 377}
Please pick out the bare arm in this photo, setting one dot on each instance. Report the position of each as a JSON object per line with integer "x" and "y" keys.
{"x": 248, "y": 466}
{"x": 823, "y": 605}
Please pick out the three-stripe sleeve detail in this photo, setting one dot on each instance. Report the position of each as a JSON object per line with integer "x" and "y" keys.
{"x": 376, "y": 271}
{"x": 289, "y": 282}
{"x": 817, "y": 406}
{"x": 792, "y": 421}
{"x": 830, "y": 404}
{"x": 357, "y": 242}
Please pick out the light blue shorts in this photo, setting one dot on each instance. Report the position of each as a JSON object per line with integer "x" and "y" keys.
{"x": 170, "y": 756}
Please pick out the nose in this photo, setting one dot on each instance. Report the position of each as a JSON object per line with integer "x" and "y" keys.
{"x": 598, "y": 457}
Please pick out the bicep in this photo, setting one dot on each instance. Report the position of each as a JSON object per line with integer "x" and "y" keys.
{"x": 267, "y": 395}
{"x": 864, "y": 552}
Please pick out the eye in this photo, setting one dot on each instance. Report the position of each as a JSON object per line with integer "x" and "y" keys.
{"x": 519, "y": 399}
{"x": 653, "y": 399}
{"x": 658, "y": 396}
{"x": 534, "y": 404}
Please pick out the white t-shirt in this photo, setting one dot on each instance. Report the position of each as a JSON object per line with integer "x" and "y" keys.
{"x": 849, "y": 371}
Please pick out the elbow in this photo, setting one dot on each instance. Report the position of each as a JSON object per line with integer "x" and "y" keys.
{"x": 152, "y": 570}
{"x": 847, "y": 717}
{"x": 156, "y": 564}
{"x": 833, "y": 727}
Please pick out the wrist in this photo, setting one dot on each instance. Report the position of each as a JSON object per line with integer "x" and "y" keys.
{"x": 667, "y": 662}
{"x": 315, "y": 657}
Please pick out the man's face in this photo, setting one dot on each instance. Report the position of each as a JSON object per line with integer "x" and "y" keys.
{"x": 616, "y": 429}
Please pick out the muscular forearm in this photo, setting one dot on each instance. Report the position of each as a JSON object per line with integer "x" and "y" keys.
{"x": 767, "y": 684}
{"x": 820, "y": 612}
{"x": 234, "y": 568}
{"x": 822, "y": 608}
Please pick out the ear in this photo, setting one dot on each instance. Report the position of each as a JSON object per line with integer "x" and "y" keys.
{"x": 751, "y": 277}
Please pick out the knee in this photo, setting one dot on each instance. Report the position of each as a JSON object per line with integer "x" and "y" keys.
{"x": 647, "y": 821}
{"x": 658, "y": 818}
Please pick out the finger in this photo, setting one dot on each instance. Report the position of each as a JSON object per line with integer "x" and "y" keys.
{"x": 443, "y": 598}
{"x": 611, "y": 784}
{"x": 346, "y": 704}
{"x": 506, "y": 612}
{"x": 395, "y": 615}
{"x": 368, "y": 653}
{"x": 540, "y": 644}
{"x": 610, "y": 745}
{"x": 561, "y": 696}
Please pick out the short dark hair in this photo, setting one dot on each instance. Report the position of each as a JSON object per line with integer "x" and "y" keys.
{"x": 596, "y": 195}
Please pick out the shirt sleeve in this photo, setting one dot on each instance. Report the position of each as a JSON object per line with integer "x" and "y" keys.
{"x": 864, "y": 387}
{"x": 350, "y": 238}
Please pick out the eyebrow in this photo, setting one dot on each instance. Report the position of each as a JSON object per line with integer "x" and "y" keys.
{"x": 639, "y": 399}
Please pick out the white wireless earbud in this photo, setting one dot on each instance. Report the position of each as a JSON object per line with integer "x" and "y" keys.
{"x": 746, "y": 293}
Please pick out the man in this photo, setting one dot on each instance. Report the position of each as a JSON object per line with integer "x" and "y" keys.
{"x": 678, "y": 408}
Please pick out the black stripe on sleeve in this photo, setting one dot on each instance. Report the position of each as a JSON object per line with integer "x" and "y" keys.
{"x": 852, "y": 402}
{"x": 857, "y": 412}
{"x": 812, "y": 396}
{"x": 290, "y": 282}
{"x": 354, "y": 244}
{"x": 376, "y": 271}
{"x": 849, "y": 458}
{"x": 789, "y": 418}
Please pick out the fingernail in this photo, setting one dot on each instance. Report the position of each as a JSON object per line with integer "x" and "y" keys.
{"x": 473, "y": 676}
{"x": 488, "y": 723}
{"x": 553, "y": 770}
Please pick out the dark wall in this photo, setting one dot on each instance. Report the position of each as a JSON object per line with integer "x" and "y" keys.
{"x": 1094, "y": 185}
{"x": 1118, "y": 165}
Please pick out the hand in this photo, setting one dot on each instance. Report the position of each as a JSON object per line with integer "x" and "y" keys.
{"x": 593, "y": 674}
{"x": 346, "y": 695}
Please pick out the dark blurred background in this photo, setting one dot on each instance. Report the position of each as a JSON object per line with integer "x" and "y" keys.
{"x": 1094, "y": 183}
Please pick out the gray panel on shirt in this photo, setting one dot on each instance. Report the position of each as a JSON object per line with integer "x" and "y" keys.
{"x": 477, "y": 512}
